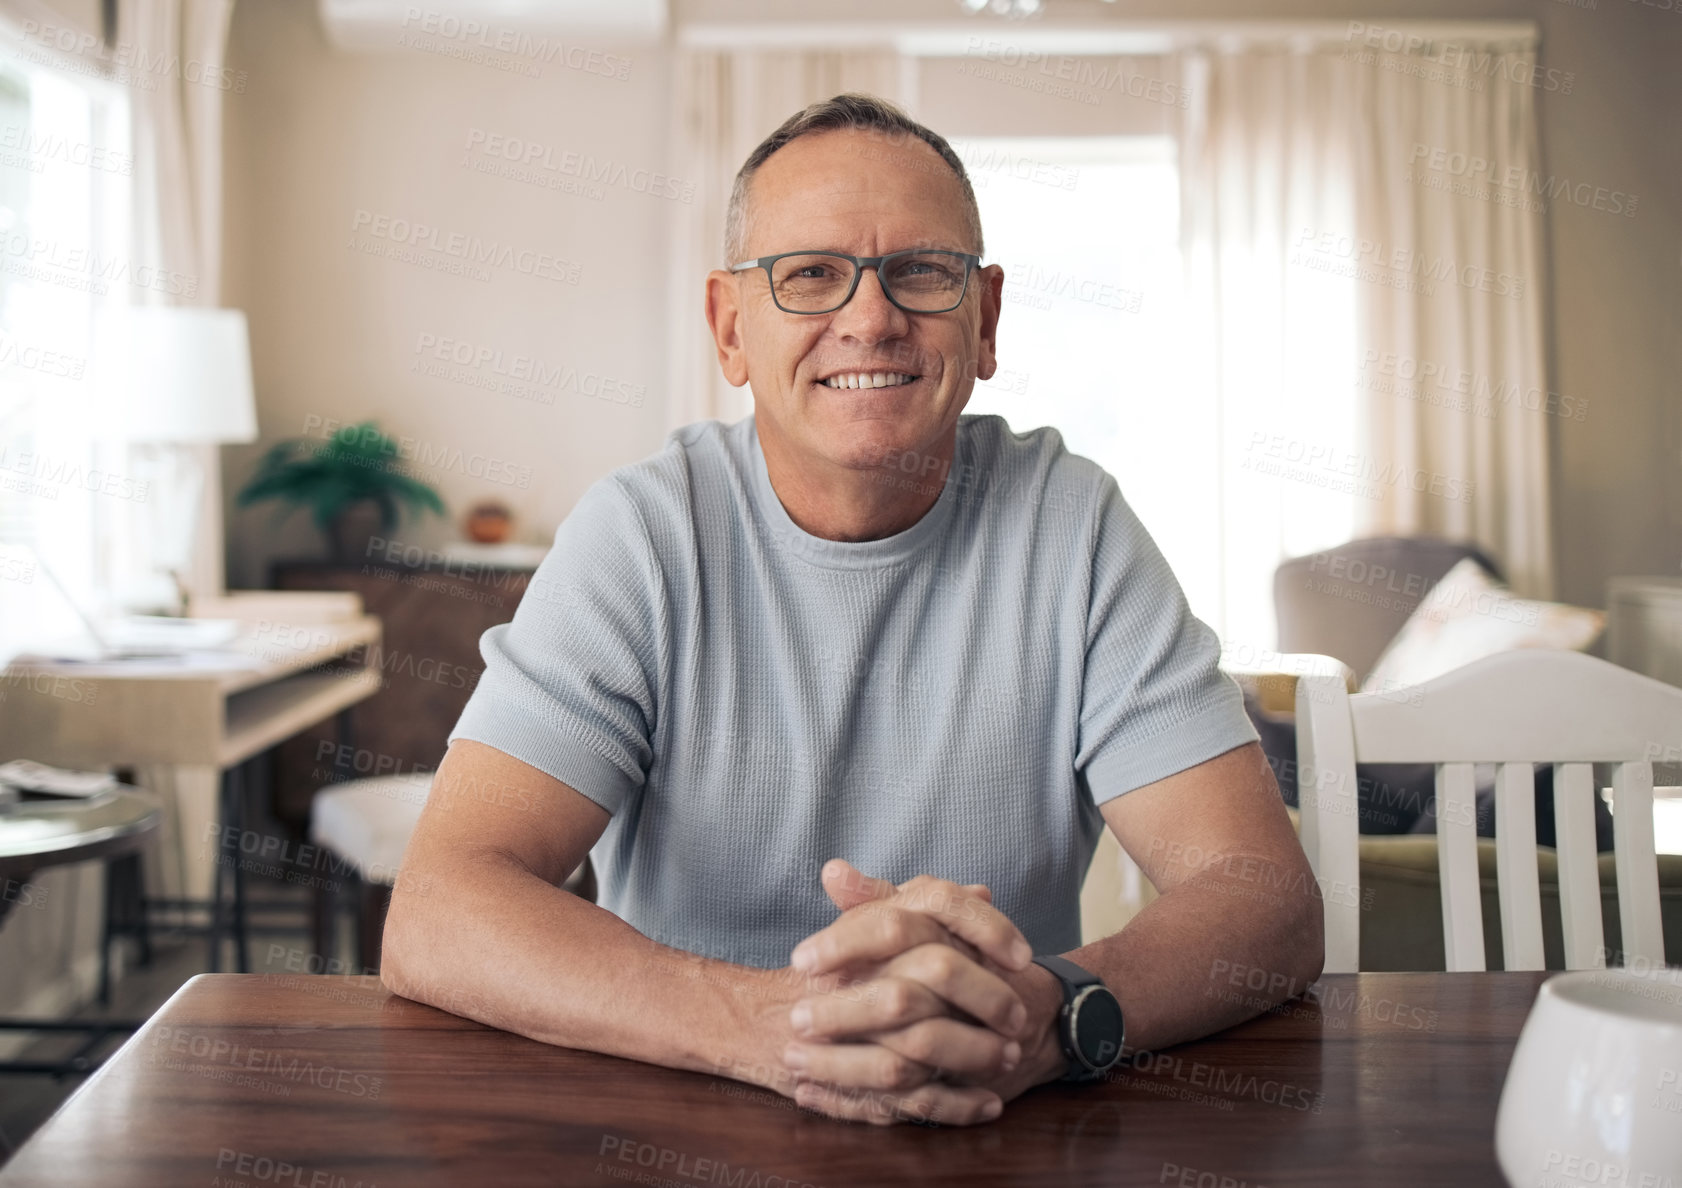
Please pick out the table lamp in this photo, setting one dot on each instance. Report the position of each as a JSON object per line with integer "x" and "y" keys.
{"x": 170, "y": 378}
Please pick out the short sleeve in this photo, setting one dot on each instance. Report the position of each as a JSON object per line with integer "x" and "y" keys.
{"x": 1154, "y": 700}
{"x": 569, "y": 685}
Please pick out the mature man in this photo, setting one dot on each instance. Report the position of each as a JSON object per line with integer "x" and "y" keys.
{"x": 841, "y": 696}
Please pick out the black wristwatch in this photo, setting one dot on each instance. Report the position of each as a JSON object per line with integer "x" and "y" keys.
{"x": 1089, "y": 1027}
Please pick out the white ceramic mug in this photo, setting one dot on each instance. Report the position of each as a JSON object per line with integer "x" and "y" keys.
{"x": 1593, "y": 1098}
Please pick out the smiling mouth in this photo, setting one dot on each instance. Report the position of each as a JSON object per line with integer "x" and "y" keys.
{"x": 870, "y": 379}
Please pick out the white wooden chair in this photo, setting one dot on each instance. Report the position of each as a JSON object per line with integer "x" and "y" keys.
{"x": 1515, "y": 709}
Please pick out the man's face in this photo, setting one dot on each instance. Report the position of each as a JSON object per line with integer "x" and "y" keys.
{"x": 864, "y": 194}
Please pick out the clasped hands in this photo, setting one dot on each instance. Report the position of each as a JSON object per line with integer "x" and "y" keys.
{"x": 920, "y": 1003}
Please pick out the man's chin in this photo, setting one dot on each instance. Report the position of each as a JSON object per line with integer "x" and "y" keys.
{"x": 872, "y": 444}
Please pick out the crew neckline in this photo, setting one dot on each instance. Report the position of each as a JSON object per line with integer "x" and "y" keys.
{"x": 848, "y": 554}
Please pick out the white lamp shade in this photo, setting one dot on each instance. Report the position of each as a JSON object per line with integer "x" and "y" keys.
{"x": 175, "y": 374}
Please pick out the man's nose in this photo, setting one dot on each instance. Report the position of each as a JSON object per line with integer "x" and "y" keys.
{"x": 870, "y": 315}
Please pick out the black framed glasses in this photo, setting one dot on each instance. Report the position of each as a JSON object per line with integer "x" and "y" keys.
{"x": 918, "y": 280}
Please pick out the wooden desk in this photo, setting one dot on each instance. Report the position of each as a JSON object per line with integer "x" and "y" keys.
{"x": 187, "y": 725}
{"x": 1387, "y": 1079}
{"x": 215, "y": 709}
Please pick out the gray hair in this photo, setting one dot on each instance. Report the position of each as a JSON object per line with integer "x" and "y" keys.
{"x": 850, "y": 110}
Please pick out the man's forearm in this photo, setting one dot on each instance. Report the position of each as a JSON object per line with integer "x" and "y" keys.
{"x": 495, "y": 943}
{"x": 1173, "y": 966}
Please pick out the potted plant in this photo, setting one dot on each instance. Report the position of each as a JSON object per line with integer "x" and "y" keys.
{"x": 349, "y": 483}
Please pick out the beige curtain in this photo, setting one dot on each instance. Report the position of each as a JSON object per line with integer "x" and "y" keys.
{"x": 1450, "y": 172}
{"x": 177, "y": 195}
{"x": 725, "y": 103}
{"x": 1352, "y": 300}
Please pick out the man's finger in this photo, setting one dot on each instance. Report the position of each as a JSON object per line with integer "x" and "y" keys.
{"x": 868, "y": 934}
{"x": 862, "y": 1008}
{"x": 941, "y": 1045}
{"x": 936, "y": 1103}
{"x": 847, "y": 886}
{"x": 964, "y": 985}
{"x": 970, "y": 916}
{"x": 874, "y": 929}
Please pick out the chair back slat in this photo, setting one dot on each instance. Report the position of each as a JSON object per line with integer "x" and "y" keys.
{"x": 1638, "y": 869}
{"x": 1328, "y": 809}
{"x": 1518, "y": 886}
{"x": 1579, "y": 867}
{"x": 1457, "y": 867}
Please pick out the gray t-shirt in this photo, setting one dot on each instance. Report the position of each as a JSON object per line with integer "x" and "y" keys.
{"x": 749, "y": 701}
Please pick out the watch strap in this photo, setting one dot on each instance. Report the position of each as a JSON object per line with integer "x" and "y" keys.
{"x": 1073, "y": 979}
{"x": 1071, "y": 975}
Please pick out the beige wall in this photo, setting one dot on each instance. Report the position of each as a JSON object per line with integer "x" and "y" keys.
{"x": 319, "y": 135}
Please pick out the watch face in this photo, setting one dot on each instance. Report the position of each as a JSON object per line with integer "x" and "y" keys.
{"x": 1098, "y": 1027}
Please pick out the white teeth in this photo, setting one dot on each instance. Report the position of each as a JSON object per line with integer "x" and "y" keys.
{"x": 869, "y": 379}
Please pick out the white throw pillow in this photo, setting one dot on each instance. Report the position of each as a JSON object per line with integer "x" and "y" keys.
{"x": 1467, "y": 616}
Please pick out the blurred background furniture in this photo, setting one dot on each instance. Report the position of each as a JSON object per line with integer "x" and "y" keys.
{"x": 1350, "y": 603}
{"x": 363, "y": 826}
{"x": 39, "y": 832}
{"x": 433, "y": 613}
{"x": 1516, "y": 709}
{"x": 191, "y": 727}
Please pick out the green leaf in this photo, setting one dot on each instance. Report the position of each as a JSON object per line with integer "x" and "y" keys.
{"x": 358, "y": 463}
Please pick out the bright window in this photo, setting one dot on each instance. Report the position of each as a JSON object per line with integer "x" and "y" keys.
{"x": 65, "y": 179}
{"x": 1095, "y": 340}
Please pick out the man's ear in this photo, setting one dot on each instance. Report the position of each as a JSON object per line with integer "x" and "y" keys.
{"x": 724, "y": 319}
{"x": 992, "y": 280}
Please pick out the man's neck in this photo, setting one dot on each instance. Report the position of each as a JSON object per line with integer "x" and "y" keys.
{"x": 850, "y": 504}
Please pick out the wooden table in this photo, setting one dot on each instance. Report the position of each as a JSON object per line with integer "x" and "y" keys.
{"x": 1381, "y": 1079}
